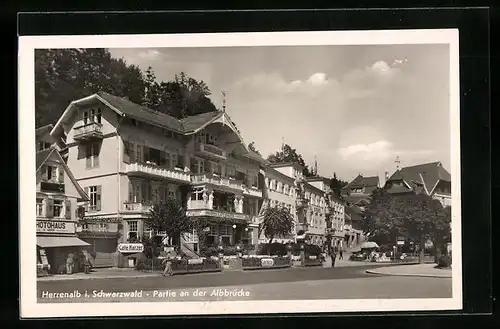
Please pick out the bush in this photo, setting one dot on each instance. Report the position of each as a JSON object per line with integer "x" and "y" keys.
{"x": 278, "y": 249}
{"x": 444, "y": 261}
{"x": 145, "y": 264}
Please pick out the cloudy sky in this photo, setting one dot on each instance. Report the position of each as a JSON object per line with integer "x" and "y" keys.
{"x": 353, "y": 108}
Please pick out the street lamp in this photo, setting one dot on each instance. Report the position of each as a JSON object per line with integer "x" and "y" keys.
{"x": 234, "y": 233}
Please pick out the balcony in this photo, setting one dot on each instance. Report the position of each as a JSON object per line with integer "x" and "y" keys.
{"x": 252, "y": 191}
{"x": 90, "y": 230}
{"x": 137, "y": 207}
{"x": 89, "y": 131}
{"x": 302, "y": 227}
{"x": 217, "y": 181}
{"x": 51, "y": 187}
{"x": 211, "y": 151}
{"x": 145, "y": 169}
{"x": 219, "y": 214}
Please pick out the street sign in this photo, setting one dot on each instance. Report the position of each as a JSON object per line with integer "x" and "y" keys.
{"x": 400, "y": 243}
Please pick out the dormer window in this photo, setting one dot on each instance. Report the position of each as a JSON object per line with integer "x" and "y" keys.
{"x": 92, "y": 115}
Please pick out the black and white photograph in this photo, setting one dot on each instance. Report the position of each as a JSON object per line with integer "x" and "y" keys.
{"x": 240, "y": 173}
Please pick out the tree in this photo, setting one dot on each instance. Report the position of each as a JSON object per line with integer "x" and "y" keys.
{"x": 252, "y": 148}
{"x": 276, "y": 222}
{"x": 337, "y": 184}
{"x": 169, "y": 216}
{"x": 417, "y": 217}
{"x": 64, "y": 75}
{"x": 290, "y": 155}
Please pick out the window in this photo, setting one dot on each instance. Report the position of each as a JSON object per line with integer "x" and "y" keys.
{"x": 92, "y": 115}
{"x": 103, "y": 226}
{"x": 94, "y": 193}
{"x": 92, "y": 155}
{"x": 39, "y": 207}
{"x": 58, "y": 206}
{"x": 197, "y": 195}
{"x": 132, "y": 230}
{"x": 51, "y": 172}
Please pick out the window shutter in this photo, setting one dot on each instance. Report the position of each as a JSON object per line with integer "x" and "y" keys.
{"x": 88, "y": 156}
{"x": 86, "y": 189}
{"x": 95, "y": 151}
{"x": 67, "y": 208}
{"x": 44, "y": 172}
{"x": 98, "y": 198}
{"x": 60, "y": 171}
{"x": 130, "y": 192}
{"x": 126, "y": 152}
{"x": 49, "y": 208}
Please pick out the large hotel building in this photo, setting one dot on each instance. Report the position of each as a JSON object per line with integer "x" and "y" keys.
{"x": 126, "y": 157}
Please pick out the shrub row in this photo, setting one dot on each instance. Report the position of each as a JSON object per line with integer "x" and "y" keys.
{"x": 281, "y": 249}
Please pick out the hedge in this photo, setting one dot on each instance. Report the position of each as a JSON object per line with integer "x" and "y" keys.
{"x": 179, "y": 265}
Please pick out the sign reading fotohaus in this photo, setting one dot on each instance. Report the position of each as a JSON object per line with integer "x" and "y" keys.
{"x": 49, "y": 226}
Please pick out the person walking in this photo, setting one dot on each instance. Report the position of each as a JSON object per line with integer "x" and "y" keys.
{"x": 333, "y": 256}
{"x": 70, "y": 262}
{"x": 341, "y": 254}
{"x": 168, "y": 265}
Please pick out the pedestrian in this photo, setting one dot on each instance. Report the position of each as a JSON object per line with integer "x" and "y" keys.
{"x": 341, "y": 254}
{"x": 168, "y": 265}
{"x": 333, "y": 256}
{"x": 70, "y": 262}
{"x": 85, "y": 263}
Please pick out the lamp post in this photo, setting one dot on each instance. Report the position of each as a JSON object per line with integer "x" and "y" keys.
{"x": 234, "y": 233}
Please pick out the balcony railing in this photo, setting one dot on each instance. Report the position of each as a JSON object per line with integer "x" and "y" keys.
{"x": 138, "y": 207}
{"x": 252, "y": 191}
{"x": 154, "y": 170}
{"x": 302, "y": 227}
{"x": 51, "y": 187}
{"x": 216, "y": 180}
{"x": 92, "y": 130}
{"x": 211, "y": 150}
{"x": 218, "y": 214}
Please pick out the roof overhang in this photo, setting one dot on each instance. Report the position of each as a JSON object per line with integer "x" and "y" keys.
{"x": 81, "y": 102}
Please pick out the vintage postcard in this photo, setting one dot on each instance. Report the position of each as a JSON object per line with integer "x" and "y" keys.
{"x": 243, "y": 173}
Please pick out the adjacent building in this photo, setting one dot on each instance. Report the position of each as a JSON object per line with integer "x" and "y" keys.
{"x": 429, "y": 178}
{"x": 57, "y": 213}
{"x": 359, "y": 190}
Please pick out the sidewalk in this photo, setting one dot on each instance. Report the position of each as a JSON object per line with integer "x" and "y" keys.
{"x": 101, "y": 273}
{"x": 419, "y": 270}
{"x": 345, "y": 262}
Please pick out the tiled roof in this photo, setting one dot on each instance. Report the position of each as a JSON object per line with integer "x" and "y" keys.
{"x": 398, "y": 189}
{"x": 361, "y": 181}
{"x": 42, "y": 156}
{"x": 195, "y": 122}
{"x": 139, "y": 112}
{"x": 428, "y": 174}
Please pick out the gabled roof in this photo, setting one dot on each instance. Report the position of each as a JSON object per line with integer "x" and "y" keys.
{"x": 43, "y": 156}
{"x": 427, "y": 174}
{"x": 125, "y": 107}
{"x": 361, "y": 181}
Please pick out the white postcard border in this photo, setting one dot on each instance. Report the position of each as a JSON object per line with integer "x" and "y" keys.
{"x": 29, "y": 307}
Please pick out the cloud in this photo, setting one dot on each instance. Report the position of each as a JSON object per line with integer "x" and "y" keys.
{"x": 150, "y": 54}
{"x": 373, "y": 155}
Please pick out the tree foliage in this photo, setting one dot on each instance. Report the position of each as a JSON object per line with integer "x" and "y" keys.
{"x": 169, "y": 216}
{"x": 64, "y": 75}
{"x": 337, "y": 184}
{"x": 276, "y": 222}
{"x": 417, "y": 217}
{"x": 290, "y": 155}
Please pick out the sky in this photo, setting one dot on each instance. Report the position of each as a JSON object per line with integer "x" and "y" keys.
{"x": 354, "y": 109}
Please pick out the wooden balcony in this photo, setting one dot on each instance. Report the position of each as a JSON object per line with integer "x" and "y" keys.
{"x": 152, "y": 170}
{"x": 219, "y": 214}
{"x": 217, "y": 181}
{"x": 137, "y": 207}
{"x": 90, "y": 131}
{"x": 211, "y": 151}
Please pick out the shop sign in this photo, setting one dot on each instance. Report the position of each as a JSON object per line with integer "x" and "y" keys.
{"x": 267, "y": 262}
{"x": 130, "y": 247}
{"x": 400, "y": 243}
{"x": 46, "y": 226}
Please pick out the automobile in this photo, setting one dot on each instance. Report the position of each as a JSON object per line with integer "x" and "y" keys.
{"x": 358, "y": 256}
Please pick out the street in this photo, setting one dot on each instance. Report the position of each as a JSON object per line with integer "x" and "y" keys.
{"x": 293, "y": 283}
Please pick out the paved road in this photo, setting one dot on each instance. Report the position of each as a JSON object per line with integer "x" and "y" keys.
{"x": 314, "y": 283}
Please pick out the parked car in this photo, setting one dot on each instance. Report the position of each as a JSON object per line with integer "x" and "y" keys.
{"x": 358, "y": 256}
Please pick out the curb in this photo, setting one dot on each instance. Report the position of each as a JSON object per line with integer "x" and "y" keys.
{"x": 409, "y": 274}
{"x": 101, "y": 277}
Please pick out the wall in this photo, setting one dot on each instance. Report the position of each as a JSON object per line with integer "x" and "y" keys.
{"x": 109, "y": 194}
{"x": 109, "y": 120}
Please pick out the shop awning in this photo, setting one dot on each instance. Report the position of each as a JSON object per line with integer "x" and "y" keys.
{"x": 58, "y": 241}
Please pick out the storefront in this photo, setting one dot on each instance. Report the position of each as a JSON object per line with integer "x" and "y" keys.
{"x": 55, "y": 240}
{"x": 102, "y": 236}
